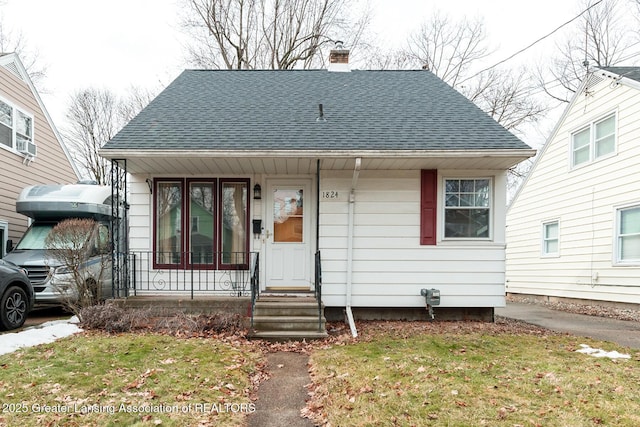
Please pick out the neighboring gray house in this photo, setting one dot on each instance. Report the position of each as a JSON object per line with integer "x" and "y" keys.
{"x": 573, "y": 229}
{"x": 31, "y": 150}
{"x": 395, "y": 178}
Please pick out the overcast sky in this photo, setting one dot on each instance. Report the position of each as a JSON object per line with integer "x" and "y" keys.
{"x": 115, "y": 44}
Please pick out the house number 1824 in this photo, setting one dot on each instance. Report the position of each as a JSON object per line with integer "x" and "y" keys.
{"x": 330, "y": 194}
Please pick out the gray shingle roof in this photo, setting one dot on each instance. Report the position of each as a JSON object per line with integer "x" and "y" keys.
{"x": 629, "y": 72}
{"x": 277, "y": 110}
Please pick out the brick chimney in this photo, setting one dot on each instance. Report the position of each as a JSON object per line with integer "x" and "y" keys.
{"x": 339, "y": 58}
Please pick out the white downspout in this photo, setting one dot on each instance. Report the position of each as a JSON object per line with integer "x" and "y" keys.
{"x": 352, "y": 201}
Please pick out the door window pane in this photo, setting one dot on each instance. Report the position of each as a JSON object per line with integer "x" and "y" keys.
{"x": 288, "y": 214}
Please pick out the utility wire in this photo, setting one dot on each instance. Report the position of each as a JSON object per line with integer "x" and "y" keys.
{"x": 535, "y": 42}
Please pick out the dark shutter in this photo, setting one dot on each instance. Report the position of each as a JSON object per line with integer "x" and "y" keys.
{"x": 428, "y": 206}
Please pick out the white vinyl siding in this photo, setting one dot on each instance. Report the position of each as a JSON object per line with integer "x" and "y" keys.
{"x": 586, "y": 199}
{"x": 390, "y": 266}
{"x": 594, "y": 141}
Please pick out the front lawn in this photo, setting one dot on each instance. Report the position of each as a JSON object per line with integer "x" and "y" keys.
{"x": 465, "y": 374}
{"x": 94, "y": 379}
{"x": 394, "y": 373}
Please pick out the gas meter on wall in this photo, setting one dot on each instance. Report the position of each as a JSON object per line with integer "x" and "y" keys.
{"x": 431, "y": 297}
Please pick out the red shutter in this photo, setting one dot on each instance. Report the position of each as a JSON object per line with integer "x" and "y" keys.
{"x": 428, "y": 206}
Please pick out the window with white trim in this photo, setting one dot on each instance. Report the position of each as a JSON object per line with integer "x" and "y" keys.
{"x": 628, "y": 234}
{"x": 550, "y": 238}
{"x": 16, "y": 129}
{"x": 596, "y": 140}
{"x": 467, "y": 208}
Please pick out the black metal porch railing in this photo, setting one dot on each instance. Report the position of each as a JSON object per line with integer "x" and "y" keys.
{"x": 153, "y": 272}
{"x": 255, "y": 284}
{"x": 318, "y": 287}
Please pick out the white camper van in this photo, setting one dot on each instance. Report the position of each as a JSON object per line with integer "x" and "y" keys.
{"x": 47, "y": 205}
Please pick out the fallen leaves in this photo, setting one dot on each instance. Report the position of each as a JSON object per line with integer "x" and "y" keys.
{"x": 140, "y": 381}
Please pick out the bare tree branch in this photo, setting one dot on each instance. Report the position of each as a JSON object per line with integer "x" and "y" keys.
{"x": 70, "y": 243}
{"x": 599, "y": 38}
{"x": 451, "y": 49}
{"x": 268, "y": 34}
{"x": 15, "y": 42}
{"x": 94, "y": 117}
{"x": 506, "y": 96}
{"x": 447, "y": 48}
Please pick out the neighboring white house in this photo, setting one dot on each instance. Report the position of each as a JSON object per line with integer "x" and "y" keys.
{"x": 394, "y": 177}
{"x": 573, "y": 229}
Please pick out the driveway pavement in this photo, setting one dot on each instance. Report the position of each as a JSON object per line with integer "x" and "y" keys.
{"x": 622, "y": 332}
{"x": 40, "y": 315}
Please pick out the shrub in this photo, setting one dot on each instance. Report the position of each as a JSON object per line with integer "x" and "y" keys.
{"x": 112, "y": 318}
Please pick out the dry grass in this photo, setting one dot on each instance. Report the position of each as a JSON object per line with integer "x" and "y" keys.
{"x": 96, "y": 379}
{"x": 471, "y": 374}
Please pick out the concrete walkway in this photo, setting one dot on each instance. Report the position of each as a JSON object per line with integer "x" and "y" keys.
{"x": 622, "y": 332}
{"x": 283, "y": 395}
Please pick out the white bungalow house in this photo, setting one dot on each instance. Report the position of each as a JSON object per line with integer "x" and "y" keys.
{"x": 386, "y": 182}
{"x": 573, "y": 229}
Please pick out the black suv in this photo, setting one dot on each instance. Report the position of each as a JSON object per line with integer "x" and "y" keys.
{"x": 16, "y": 296}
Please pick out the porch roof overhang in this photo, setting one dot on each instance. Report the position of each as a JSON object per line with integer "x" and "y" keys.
{"x": 198, "y": 162}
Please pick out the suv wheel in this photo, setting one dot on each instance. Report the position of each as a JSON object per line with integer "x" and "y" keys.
{"x": 13, "y": 308}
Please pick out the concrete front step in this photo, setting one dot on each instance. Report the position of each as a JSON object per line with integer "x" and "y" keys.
{"x": 287, "y": 323}
{"x": 287, "y": 318}
{"x": 287, "y": 309}
{"x": 287, "y": 335}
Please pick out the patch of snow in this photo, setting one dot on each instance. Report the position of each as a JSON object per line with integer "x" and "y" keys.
{"x": 598, "y": 352}
{"x": 46, "y": 333}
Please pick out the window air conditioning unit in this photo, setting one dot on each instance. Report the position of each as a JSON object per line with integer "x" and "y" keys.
{"x": 26, "y": 147}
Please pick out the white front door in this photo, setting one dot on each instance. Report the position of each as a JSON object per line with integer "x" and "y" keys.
{"x": 288, "y": 231}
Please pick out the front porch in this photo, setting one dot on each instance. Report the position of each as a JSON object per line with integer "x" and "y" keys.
{"x": 269, "y": 314}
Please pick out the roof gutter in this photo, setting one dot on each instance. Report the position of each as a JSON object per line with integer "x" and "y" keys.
{"x": 324, "y": 154}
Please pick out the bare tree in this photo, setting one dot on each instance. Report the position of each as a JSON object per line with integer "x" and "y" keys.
{"x": 70, "y": 243}
{"x": 136, "y": 99}
{"x": 93, "y": 121}
{"x": 11, "y": 41}
{"x": 452, "y": 50}
{"x": 449, "y": 49}
{"x": 599, "y": 38}
{"x": 376, "y": 58}
{"x": 94, "y": 117}
{"x": 505, "y": 96}
{"x": 269, "y": 34}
